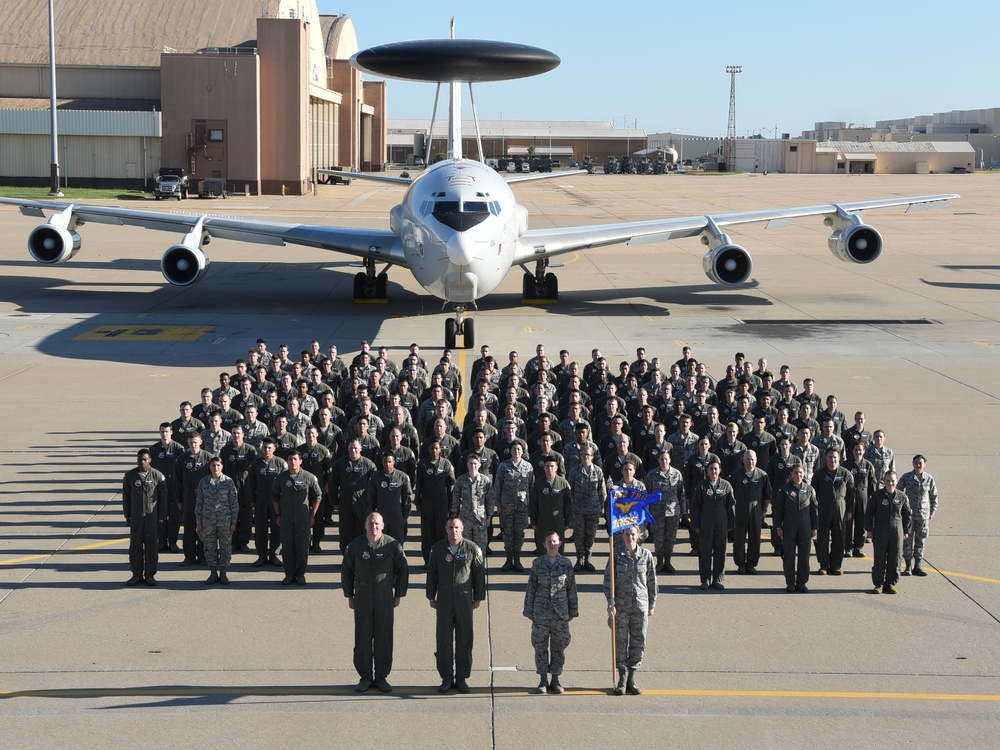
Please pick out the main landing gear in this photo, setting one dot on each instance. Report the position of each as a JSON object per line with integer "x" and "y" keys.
{"x": 459, "y": 326}
{"x": 371, "y": 288}
{"x": 540, "y": 288}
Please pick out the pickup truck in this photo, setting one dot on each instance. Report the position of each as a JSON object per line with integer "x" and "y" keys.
{"x": 169, "y": 186}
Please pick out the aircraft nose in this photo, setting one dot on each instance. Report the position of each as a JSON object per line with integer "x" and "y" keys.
{"x": 459, "y": 250}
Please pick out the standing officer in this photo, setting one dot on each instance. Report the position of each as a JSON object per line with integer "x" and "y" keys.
{"x": 551, "y": 603}
{"x": 712, "y": 516}
{"x": 349, "y": 491}
{"x": 374, "y": 578}
{"x": 295, "y": 494}
{"x": 456, "y": 584}
{"x": 165, "y": 453}
{"x": 752, "y": 491}
{"x": 432, "y": 496}
{"x": 921, "y": 492}
{"x": 589, "y": 498}
{"x": 216, "y": 509}
{"x": 550, "y": 507}
{"x": 631, "y": 607}
{"x": 237, "y": 458}
{"x": 667, "y": 512}
{"x": 144, "y": 502}
{"x": 511, "y": 488}
{"x": 834, "y": 487}
{"x": 796, "y": 515}
{"x": 390, "y": 495}
{"x": 887, "y": 521}
{"x": 190, "y": 469}
{"x": 865, "y": 484}
{"x": 472, "y": 501}
{"x": 266, "y": 536}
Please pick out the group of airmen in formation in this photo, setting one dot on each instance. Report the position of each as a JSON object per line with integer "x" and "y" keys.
{"x": 282, "y": 446}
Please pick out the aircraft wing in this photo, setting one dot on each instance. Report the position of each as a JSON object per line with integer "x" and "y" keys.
{"x": 536, "y": 244}
{"x": 544, "y": 175}
{"x": 367, "y": 176}
{"x": 381, "y": 244}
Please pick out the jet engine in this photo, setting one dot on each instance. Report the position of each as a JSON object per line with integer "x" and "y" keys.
{"x": 56, "y": 241}
{"x": 186, "y": 263}
{"x": 725, "y": 262}
{"x": 858, "y": 243}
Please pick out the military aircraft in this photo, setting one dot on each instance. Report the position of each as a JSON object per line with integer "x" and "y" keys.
{"x": 459, "y": 228}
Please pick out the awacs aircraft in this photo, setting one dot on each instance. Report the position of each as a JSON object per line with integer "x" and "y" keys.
{"x": 459, "y": 229}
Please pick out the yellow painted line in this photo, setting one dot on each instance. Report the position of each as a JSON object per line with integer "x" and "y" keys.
{"x": 249, "y": 691}
{"x": 988, "y": 346}
{"x": 969, "y": 577}
{"x": 95, "y": 545}
{"x": 144, "y": 333}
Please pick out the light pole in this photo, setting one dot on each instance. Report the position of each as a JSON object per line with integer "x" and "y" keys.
{"x": 54, "y": 190}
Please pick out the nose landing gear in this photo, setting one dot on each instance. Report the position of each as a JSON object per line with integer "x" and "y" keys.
{"x": 459, "y": 326}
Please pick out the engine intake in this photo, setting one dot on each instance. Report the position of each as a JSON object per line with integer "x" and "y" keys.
{"x": 50, "y": 243}
{"x": 859, "y": 243}
{"x": 727, "y": 264}
{"x": 183, "y": 265}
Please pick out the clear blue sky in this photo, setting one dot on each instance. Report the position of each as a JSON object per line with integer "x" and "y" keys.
{"x": 663, "y": 64}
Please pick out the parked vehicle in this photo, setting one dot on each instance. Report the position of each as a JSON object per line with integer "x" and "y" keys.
{"x": 171, "y": 182}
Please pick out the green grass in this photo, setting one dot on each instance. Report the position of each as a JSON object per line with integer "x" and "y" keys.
{"x": 73, "y": 193}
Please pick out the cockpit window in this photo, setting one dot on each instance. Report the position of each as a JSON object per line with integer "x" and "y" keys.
{"x": 460, "y": 217}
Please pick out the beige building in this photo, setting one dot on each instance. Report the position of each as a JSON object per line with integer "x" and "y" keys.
{"x": 878, "y": 157}
{"x": 257, "y": 92}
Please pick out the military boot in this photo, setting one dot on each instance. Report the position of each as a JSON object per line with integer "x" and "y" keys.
{"x": 213, "y": 577}
{"x": 543, "y": 685}
{"x": 508, "y": 564}
{"x": 667, "y": 567}
{"x": 659, "y": 563}
{"x": 620, "y": 687}
{"x": 223, "y": 578}
{"x": 517, "y": 562}
{"x": 588, "y": 566}
{"x": 579, "y": 565}
{"x": 631, "y": 687}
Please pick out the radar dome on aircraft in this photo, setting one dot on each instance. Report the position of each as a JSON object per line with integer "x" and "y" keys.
{"x": 462, "y": 60}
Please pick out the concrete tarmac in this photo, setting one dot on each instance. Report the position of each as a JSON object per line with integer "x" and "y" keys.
{"x": 97, "y": 351}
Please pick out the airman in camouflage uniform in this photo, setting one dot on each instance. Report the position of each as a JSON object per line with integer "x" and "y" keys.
{"x": 589, "y": 499}
{"x": 511, "y": 488}
{"x": 631, "y": 606}
{"x": 472, "y": 501}
{"x": 216, "y": 508}
{"x": 667, "y": 512}
{"x": 922, "y": 494}
{"x": 551, "y": 603}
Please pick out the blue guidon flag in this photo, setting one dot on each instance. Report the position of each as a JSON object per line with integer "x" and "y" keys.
{"x": 629, "y": 507}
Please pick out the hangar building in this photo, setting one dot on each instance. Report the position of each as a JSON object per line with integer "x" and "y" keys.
{"x": 257, "y": 92}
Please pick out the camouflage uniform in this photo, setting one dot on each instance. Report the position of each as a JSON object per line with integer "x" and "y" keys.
{"x": 588, "y": 497}
{"x": 216, "y": 509}
{"x": 635, "y": 598}
{"x": 511, "y": 489}
{"x": 921, "y": 492}
{"x": 472, "y": 501}
{"x": 550, "y": 602}
{"x": 668, "y": 511}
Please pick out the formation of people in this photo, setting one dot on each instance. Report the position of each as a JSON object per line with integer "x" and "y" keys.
{"x": 285, "y": 450}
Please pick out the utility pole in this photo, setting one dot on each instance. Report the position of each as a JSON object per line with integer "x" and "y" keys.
{"x": 729, "y": 147}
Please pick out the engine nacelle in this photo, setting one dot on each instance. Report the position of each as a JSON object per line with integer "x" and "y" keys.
{"x": 727, "y": 264}
{"x": 183, "y": 265}
{"x": 50, "y": 243}
{"x": 858, "y": 243}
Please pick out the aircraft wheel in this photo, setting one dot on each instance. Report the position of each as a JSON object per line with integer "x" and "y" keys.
{"x": 382, "y": 286}
{"x": 450, "y": 333}
{"x": 359, "y": 287}
{"x": 468, "y": 333}
{"x": 528, "y": 287}
{"x": 551, "y": 286}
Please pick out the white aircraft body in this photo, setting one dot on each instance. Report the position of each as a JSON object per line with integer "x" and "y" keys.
{"x": 459, "y": 228}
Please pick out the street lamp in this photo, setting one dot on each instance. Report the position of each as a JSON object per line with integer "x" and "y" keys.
{"x": 54, "y": 190}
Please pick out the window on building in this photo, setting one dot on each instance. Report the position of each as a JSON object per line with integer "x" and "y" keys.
{"x": 215, "y": 135}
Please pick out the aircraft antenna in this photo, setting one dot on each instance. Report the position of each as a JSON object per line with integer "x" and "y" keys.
{"x": 430, "y": 133}
{"x": 729, "y": 147}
